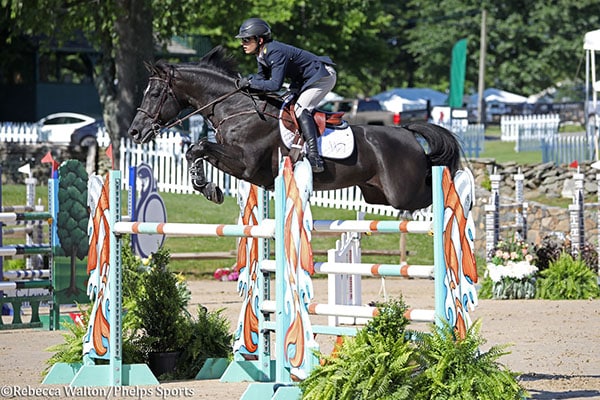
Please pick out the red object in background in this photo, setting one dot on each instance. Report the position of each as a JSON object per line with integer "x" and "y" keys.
{"x": 574, "y": 164}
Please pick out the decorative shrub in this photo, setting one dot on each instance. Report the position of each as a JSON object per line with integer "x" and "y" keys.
{"x": 451, "y": 368}
{"x": 382, "y": 363}
{"x": 552, "y": 246}
{"x": 155, "y": 318}
{"x": 569, "y": 279}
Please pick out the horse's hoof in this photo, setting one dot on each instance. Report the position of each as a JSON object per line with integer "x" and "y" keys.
{"x": 213, "y": 193}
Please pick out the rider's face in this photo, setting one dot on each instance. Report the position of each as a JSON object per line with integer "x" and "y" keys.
{"x": 249, "y": 45}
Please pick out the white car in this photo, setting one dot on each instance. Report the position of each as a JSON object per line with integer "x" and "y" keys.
{"x": 57, "y": 128}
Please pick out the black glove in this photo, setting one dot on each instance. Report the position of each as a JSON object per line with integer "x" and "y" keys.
{"x": 243, "y": 82}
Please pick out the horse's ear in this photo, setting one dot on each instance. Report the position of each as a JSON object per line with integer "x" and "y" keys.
{"x": 219, "y": 57}
{"x": 149, "y": 67}
{"x": 215, "y": 55}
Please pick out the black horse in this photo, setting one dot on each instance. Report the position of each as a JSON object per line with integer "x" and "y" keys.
{"x": 388, "y": 163}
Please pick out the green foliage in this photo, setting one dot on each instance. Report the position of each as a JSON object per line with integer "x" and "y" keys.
{"x": 452, "y": 368}
{"x": 160, "y": 307}
{"x": 568, "y": 279}
{"x": 376, "y": 364}
{"x": 156, "y": 319}
{"x": 382, "y": 363}
{"x": 71, "y": 350}
{"x": 552, "y": 247}
{"x": 208, "y": 336}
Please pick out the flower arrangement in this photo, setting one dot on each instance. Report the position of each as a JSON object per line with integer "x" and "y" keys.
{"x": 226, "y": 274}
{"x": 512, "y": 270}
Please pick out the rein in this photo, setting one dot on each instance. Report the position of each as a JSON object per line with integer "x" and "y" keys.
{"x": 156, "y": 126}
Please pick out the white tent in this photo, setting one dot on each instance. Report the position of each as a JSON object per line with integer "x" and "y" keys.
{"x": 402, "y": 99}
{"x": 492, "y": 95}
{"x": 591, "y": 44}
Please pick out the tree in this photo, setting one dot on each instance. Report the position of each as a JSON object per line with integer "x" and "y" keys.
{"x": 72, "y": 219}
{"x": 123, "y": 32}
{"x": 347, "y": 30}
{"x": 530, "y": 46}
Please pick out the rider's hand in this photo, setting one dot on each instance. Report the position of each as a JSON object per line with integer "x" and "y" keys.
{"x": 243, "y": 82}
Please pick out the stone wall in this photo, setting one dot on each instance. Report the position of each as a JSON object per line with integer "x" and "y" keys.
{"x": 541, "y": 181}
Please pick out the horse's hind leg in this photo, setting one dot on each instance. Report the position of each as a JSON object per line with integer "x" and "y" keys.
{"x": 198, "y": 178}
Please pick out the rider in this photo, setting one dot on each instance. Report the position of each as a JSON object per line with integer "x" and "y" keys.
{"x": 311, "y": 75}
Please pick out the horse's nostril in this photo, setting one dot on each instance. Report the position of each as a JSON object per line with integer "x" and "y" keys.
{"x": 133, "y": 132}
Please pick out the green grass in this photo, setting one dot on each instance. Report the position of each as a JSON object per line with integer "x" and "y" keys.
{"x": 505, "y": 151}
{"x": 196, "y": 209}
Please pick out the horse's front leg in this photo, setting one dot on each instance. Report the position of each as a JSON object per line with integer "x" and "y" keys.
{"x": 198, "y": 177}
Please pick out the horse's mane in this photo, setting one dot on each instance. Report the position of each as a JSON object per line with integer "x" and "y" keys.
{"x": 216, "y": 59}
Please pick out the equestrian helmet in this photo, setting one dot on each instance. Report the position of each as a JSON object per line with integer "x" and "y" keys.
{"x": 254, "y": 27}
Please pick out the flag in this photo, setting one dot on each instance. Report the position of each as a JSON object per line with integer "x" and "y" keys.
{"x": 457, "y": 74}
{"x": 49, "y": 159}
{"x": 109, "y": 153}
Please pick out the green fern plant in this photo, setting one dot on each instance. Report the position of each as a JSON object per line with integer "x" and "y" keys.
{"x": 457, "y": 369}
{"x": 71, "y": 350}
{"x": 569, "y": 279}
{"x": 377, "y": 364}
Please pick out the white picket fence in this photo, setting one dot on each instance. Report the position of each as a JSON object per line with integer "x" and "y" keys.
{"x": 18, "y": 132}
{"x": 166, "y": 156}
{"x": 528, "y": 130}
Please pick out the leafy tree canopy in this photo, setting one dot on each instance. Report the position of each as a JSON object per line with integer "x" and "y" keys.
{"x": 376, "y": 44}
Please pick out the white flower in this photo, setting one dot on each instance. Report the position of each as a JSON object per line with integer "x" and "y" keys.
{"x": 515, "y": 270}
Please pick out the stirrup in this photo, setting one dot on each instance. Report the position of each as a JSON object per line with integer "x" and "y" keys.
{"x": 316, "y": 163}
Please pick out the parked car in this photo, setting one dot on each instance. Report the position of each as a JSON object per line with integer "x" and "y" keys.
{"x": 87, "y": 135}
{"x": 68, "y": 129}
{"x": 371, "y": 112}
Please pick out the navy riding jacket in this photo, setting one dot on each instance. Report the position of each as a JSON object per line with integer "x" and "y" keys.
{"x": 278, "y": 61}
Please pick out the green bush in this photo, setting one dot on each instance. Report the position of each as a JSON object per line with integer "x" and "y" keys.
{"x": 382, "y": 362}
{"x": 377, "y": 364}
{"x": 569, "y": 279}
{"x": 453, "y": 369}
{"x": 155, "y": 318}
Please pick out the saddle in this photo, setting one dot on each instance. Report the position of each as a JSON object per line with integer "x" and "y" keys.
{"x": 323, "y": 119}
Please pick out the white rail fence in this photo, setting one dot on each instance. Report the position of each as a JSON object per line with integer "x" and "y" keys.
{"x": 166, "y": 156}
{"x": 528, "y": 130}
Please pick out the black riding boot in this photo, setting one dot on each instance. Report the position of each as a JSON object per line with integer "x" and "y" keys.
{"x": 309, "y": 132}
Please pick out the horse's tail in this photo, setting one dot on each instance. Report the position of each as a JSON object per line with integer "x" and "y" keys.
{"x": 443, "y": 146}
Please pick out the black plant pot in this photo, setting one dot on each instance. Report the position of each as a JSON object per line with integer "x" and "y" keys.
{"x": 162, "y": 363}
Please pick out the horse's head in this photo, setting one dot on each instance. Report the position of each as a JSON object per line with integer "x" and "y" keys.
{"x": 159, "y": 105}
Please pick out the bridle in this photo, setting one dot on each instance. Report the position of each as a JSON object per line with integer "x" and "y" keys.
{"x": 156, "y": 121}
{"x": 157, "y": 124}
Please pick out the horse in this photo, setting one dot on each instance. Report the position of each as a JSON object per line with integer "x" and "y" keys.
{"x": 390, "y": 164}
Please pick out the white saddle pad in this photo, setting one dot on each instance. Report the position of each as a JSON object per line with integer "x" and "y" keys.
{"x": 333, "y": 143}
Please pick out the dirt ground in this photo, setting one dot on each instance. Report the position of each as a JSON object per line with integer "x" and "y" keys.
{"x": 555, "y": 345}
